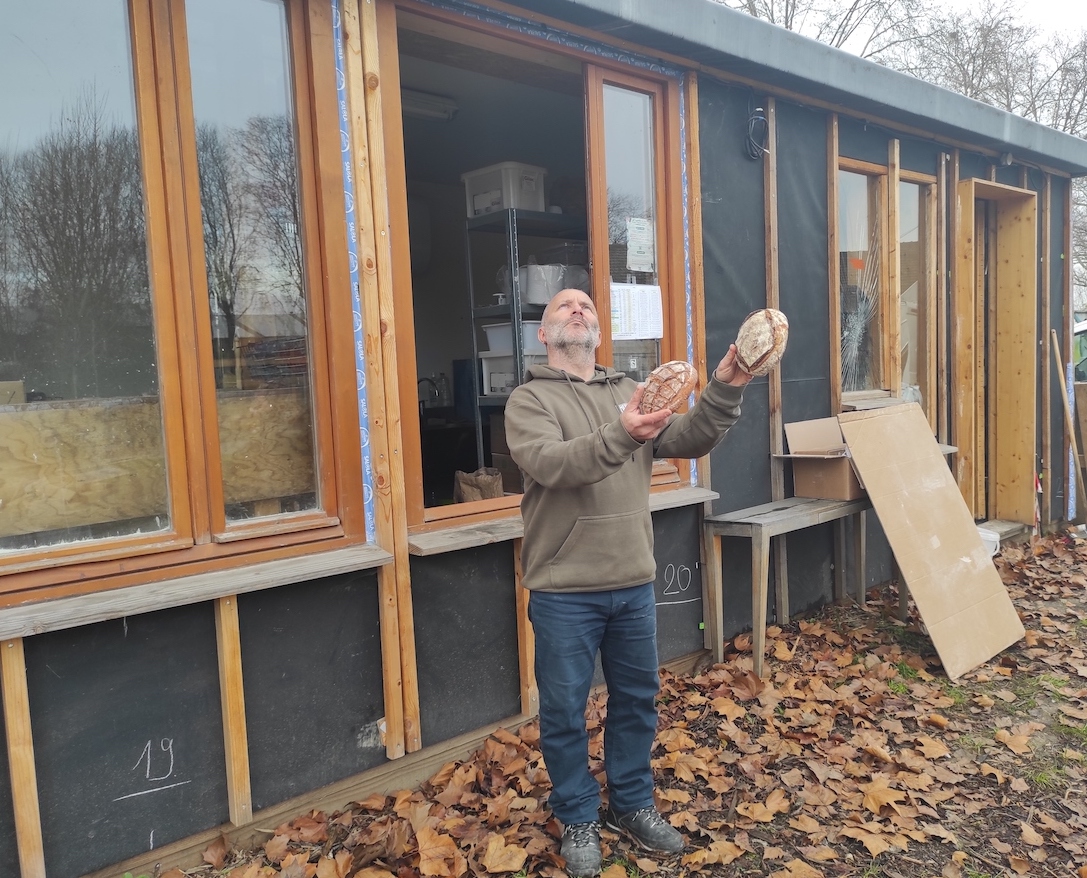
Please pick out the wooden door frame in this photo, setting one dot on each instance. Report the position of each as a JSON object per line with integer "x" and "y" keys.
{"x": 1003, "y": 374}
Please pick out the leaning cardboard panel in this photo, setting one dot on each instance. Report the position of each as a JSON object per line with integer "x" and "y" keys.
{"x": 958, "y": 592}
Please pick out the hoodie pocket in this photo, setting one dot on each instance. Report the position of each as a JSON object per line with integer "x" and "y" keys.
{"x": 606, "y": 551}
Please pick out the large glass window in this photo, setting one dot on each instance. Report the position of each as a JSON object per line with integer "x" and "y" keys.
{"x": 251, "y": 211}
{"x": 166, "y": 344}
{"x": 861, "y": 276}
{"x": 81, "y": 430}
{"x": 633, "y": 249}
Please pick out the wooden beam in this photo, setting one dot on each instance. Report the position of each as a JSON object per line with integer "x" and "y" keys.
{"x": 1044, "y": 510}
{"x": 24, "y": 779}
{"x": 232, "y": 696}
{"x": 985, "y": 286}
{"x": 367, "y": 101}
{"x": 526, "y": 641}
{"x": 962, "y": 345}
{"x": 834, "y": 302}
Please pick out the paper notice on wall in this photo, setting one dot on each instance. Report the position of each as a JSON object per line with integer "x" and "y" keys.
{"x": 641, "y": 247}
{"x": 636, "y": 312}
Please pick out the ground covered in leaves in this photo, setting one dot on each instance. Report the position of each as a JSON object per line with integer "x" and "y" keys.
{"x": 855, "y": 756}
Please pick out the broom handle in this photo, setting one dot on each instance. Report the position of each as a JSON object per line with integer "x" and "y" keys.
{"x": 1068, "y": 422}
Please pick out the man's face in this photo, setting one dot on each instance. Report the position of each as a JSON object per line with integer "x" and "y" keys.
{"x": 570, "y": 322}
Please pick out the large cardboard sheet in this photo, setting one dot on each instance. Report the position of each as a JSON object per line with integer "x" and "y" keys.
{"x": 943, "y": 561}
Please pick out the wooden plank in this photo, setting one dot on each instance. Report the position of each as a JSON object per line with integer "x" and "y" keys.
{"x": 857, "y": 166}
{"x": 984, "y": 346}
{"x": 834, "y": 300}
{"x": 20, "y": 740}
{"x": 69, "y": 464}
{"x": 891, "y": 314}
{"x": 1045, "y": 512}
{"x": 962, "y": 345}
{"x": 27, "y": 619}
{"x": 713, "y": 596}
{"x": 228, "y": 637}
{"x": 1013, "y": 440}
{"x": 526, "y": 642}
{"x": 374, "y": 111}
{"x": 480, "y": 533}
{"x": 596, "y": 200}
{"x": 698, "y": 258}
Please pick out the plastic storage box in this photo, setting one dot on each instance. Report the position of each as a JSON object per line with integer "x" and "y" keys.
{"x": 502, "y": 186}
{"x": 500, "y": 339}
{"x": 499, "y": 377}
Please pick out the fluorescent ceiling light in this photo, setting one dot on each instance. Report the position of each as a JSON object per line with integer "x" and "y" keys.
{"x": 420, "y": 105}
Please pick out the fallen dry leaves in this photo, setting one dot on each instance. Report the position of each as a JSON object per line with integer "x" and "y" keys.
{"x": 855, "y": 755}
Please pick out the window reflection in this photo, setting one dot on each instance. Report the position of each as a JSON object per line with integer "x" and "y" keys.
{"x": 81, "y": 448}
{"x": 251, "y": 212}
{"x": 632, "y": 224}
{"x": 914, "y": 292}
{"x": 860, "y": 266}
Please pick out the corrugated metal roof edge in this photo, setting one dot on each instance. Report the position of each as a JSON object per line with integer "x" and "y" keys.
{"x": 715, "y": 36}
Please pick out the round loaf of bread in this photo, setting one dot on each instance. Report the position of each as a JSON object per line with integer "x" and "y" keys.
{"x": 761, "y": 341}
{"x": 668, "y": 386}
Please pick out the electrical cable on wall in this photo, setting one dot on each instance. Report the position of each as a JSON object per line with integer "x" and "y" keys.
{"x": 758, "y": 133}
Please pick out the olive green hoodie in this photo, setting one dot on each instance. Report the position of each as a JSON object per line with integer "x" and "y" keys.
{"x": 586, "y": 500}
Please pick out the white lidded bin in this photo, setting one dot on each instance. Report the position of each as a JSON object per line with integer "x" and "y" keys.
{"x": 502, "y": 186}
{"x": 499, "y": 377}
{"x": 500, "y": 338}
{"x": 990, "y": 538}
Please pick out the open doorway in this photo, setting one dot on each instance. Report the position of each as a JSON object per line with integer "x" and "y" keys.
{"x": 472, "y": 101}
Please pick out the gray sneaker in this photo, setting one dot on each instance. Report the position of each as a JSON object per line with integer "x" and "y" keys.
{"x": 581, "y": 849}
{"x": 647, "y": 829}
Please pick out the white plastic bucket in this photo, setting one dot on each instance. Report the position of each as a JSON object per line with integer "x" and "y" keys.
{"x": 990, "y": 538}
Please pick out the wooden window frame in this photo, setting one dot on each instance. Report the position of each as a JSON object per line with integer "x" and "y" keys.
{"x": 199, "y": 540}
{"x": 667, "y": 160}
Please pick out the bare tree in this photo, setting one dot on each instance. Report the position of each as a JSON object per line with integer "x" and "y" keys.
{"x": 75, "y": 213}
{"x": 227, "y": 228}
{"x": 867, "y": 27}
{"x": 268, "y": 147}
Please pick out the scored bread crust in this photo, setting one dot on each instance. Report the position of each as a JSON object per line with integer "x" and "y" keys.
{"x": 668, "y": 386}
{"x": 761, "y": 341}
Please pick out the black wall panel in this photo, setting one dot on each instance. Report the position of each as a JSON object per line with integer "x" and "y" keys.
{"x": 859, "y": 140}
{"x": 733, "y": 237}
{"x": 128, "y": 736}
{"x": 973, "y": 165}
{"x": 919, "y": 155}
{"x": 311, "y": 655}
{"x": 465, "y": 639}
{"x": 803, "y": 231}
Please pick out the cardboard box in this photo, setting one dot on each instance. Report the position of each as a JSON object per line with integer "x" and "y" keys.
{"x": 511, "y": 473}
{"x": 822, "y": 465}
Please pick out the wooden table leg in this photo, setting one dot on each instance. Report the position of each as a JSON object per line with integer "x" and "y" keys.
{"x": 860, "y": 566}
{"x": 713, "y": 599}
{"x": 781, "y": 580}
{"x": 760, "y": 570}
{"x": 839, "y": 561}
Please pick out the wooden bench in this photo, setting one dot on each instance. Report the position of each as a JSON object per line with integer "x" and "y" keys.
{"x": 761, "y": 524}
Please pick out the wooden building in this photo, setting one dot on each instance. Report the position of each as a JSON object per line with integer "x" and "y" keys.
{"x": 247, "y": 254}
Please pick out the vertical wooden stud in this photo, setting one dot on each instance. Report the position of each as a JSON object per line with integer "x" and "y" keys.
{"x": 232, "y": 696}
{"x": 24, "y": 779}
{"x": 366, "y": 99}
{"x": 773, "y": 300}
{"x": 1045, "y": 512}
{"x": 963, "y": 428}
{"x": 526, "y": 642}
{"x": 834, "y": 300}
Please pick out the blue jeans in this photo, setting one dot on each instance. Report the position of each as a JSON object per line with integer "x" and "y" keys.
{"x": 570, "y": 628}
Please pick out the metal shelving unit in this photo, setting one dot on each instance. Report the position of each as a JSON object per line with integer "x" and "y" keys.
{"x": 513, "y": 225}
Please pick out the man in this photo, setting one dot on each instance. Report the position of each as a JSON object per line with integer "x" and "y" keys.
{"x": 586, "y": 452}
